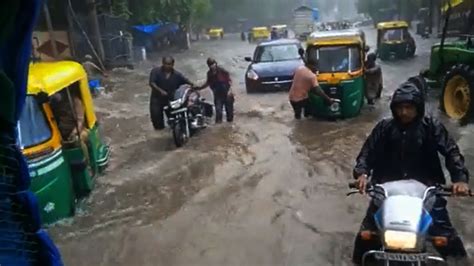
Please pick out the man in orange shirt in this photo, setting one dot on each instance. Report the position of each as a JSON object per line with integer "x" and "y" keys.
{"x": 304, "y": 81}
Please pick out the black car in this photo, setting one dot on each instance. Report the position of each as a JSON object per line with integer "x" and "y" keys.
{"x": 273, "y": 66}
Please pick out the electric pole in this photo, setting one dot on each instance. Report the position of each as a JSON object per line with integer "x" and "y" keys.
{"x": 49, "y": 24}
{"x": 94, "y": 23}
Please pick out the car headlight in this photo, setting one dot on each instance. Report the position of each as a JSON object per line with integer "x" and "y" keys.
{"x": 176, "y": 104}
{"x": 251, "y": 74}
{"x": 397, "y": 240}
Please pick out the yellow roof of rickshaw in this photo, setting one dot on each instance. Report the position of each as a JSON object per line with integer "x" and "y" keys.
{"x": 392, "y": 25}
{"x": 454, "y": 3}
{"x": 341, "y": 37}
{"x": 259, "y": 28}
{"x": 52, "y": 77}
{"x": 216, "y": 29}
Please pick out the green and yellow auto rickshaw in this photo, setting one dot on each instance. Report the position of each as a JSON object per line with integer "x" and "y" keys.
{"x": 341, "y": 56}
{"x": 394, "y": 40}
{"x": 259, "y": 34}
{"x": 216, "y": 33}
{"x": 62, "y": 169}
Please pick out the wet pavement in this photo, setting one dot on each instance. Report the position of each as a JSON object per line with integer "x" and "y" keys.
{"x": 266, "y": 190}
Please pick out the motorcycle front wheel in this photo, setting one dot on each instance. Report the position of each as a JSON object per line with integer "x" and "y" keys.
{"x": 179, "y": 135}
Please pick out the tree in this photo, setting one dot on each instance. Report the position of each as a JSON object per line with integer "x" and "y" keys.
{"x": 200, "y": 12}
{"x": 405, "y": 8}
{"x": 120, "y": 8}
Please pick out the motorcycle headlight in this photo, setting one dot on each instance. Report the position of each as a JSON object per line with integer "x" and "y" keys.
{"x": 397, "y": 240}
{"x": 176, "y": 104}
{"x": 251, "y": 74}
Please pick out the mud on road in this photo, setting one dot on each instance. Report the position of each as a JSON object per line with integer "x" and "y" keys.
{"x": 266, "y": 190}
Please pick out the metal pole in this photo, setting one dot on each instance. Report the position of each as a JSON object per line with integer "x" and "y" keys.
{"x": 49, "y": 24}
{"x": 94, "y": 22}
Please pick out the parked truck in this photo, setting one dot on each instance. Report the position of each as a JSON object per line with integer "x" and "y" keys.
{"x": 304, "y": 21}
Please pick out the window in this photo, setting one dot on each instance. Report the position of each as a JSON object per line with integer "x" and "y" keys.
{"x": 333, "y": 59}
{"x": 393, "y": 35}
{"x": 354, "y": 55}
{"x": 275, "y": 53}
{"x": 33, "y": 127}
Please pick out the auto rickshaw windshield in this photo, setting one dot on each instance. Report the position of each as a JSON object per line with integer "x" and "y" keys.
{"x": 333, "y": 59}
{"x": 275, "y": 53}
{"x": 33, "y": 127}
{"x": 391, "y": 35}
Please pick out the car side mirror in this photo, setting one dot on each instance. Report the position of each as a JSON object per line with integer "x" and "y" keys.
{"x": 301, "y": 52}
{"x": 248, "y": 59}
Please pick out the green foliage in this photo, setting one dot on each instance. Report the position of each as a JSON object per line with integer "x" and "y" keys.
{"x": 200, "y": 12}
{"x": 120, "y": 8}
{"x": 179, "y": 11}
{"x": 371, "y": 7}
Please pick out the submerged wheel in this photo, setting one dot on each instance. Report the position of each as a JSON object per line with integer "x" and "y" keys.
{"x": 179, "y": 135}
{"x": 458, "y": 88}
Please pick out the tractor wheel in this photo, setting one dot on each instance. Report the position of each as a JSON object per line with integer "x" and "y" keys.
{"x": 458, "y": 89}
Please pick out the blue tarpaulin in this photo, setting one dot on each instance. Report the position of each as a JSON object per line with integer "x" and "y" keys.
{"x": 147, "y": 35}
{"x": 153, "y": 28}
{"x": 316, "y": 14}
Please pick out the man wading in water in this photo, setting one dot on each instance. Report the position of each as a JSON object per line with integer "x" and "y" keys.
{"x": 304, "y": 81}
{"x": 164, "y": 81}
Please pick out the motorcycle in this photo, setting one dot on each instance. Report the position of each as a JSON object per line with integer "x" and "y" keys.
{"x": 187, "y": 113}
{"x": 403, "y": 219}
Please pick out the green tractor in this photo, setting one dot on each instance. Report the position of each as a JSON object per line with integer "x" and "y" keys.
{"x": 452, "y": 68}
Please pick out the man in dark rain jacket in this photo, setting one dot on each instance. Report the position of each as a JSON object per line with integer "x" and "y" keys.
{"x": 407, "y": 147}
{"x": 164, "y": 81}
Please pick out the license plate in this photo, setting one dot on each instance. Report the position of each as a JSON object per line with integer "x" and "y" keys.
{"x": 401, "y": 257}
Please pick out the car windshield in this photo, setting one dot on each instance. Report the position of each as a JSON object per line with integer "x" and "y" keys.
{"x": 393, "y": 35}
{"x": 274, "y": 53}
{"x": 333, "y": 59}
{"x": 33, "y": 127}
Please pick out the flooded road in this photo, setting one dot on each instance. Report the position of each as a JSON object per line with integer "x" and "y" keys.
{"x": 266, "y": 190}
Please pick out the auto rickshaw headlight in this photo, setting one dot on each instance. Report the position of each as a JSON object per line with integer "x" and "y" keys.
{"x": 335, "y": 106}
{"x": 251, "y": 74}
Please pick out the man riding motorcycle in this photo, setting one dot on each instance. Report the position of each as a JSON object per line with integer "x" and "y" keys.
{"x": 407, "y": 147}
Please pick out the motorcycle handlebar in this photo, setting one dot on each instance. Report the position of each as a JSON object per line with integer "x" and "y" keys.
{"x": 353, "y": 185}
{"x": 443, "y": 190}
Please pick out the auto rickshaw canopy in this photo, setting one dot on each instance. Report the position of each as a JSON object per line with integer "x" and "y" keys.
{"x": 216, "y": 30}
{"x": 454, "y": 3}
{"x": 53, "y": 77}
{"x": 260, "y": 29}
{"x": 260, "y": 32}
{"x": 342, "y": 37}
{"x": 279, "y": 27}
{"x": 392, "y": 25}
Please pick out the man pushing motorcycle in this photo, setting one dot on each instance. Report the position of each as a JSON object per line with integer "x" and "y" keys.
{"x": 404, "y": 147}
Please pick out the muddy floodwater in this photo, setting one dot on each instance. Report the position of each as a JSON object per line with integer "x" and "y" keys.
{"x": 265, "y": 190}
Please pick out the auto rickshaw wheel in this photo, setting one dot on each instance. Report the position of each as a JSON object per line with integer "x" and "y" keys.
{"x": 411, "y": 51}
{"x": 458, "y": 86}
